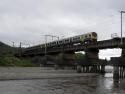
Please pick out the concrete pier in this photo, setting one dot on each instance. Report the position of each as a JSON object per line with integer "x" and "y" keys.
{"x": 119, "y": 72}
{"x": 90, "y": 69}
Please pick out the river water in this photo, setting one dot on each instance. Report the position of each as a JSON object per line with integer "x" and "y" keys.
{"x": 98, "y": 84}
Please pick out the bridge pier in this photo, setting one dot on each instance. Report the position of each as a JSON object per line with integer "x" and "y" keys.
{"x": 90, "y": 69}
{"x": 119, "y": 72}
{"x": 123, "y": 53}
{"x": 119, "y": 66}
{"x": 63, "y": 58}
{"x": 93, "y": 64}
{"x": 92, "y": 54}
{"x": 102, "y": 69}
{"x": 116, "y": 72}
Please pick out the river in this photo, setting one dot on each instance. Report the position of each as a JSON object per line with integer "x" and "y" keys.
{"x": 98, "y": 84}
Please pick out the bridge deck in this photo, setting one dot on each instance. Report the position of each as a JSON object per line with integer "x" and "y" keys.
{"x": 112, "y": 43}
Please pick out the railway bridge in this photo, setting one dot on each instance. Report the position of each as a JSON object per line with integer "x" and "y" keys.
{"x": 91, "y": 52}
{"x": 91, "y": 49}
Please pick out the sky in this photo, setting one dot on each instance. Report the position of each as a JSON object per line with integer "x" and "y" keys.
{"x": 27, "y": 21}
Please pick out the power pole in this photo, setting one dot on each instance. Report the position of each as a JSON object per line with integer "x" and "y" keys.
{"x": 121, "y": 26}
{"x": 20, "y": 51}
{"x": 13, "y": 50}
{"x": 45, "y": 45}
{"x": 13, "y": 43}
{"x": 46, "y": 36}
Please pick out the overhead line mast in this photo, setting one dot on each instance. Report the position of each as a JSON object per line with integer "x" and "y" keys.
{"x": 121, "y": 26}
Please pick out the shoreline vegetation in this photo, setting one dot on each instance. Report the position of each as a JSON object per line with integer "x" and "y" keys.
{"x": 8, "y": 59}
{"x": 11, "y": 61}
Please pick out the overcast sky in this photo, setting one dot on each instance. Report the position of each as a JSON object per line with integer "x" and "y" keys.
{"x": 28, "y": 20}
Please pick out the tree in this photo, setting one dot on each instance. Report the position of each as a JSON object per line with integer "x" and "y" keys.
{"x": 79, "y": 56}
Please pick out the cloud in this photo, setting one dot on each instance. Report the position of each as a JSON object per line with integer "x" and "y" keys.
{"x": 28, "y": 20}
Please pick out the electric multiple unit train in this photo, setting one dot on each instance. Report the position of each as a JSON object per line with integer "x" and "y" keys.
{"x": 81, "y": 39}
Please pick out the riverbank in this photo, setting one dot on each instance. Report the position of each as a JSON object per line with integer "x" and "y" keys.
{"x": 18, "y": 73}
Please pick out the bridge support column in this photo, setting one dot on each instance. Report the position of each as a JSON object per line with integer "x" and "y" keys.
{"x": 123, "y": 53}
{"x": 102, "y": 69}
{"x": 92, "y": 54}
{"x": 63, "y": 59}
{"x": 119, "y": 72}
{"x": 93, "y": 57}
{"x": 69, "y": 55}
{"x": 116, "y": 72}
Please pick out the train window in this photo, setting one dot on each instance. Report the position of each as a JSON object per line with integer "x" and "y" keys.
{"x": 89, "y": 35}
{"x": 75, "y": 38}
{"x": 53, "y": 43}
{"x": 66, "y": 40}
{"x": 85, "y": 36}
{"x": 60, "y": 41}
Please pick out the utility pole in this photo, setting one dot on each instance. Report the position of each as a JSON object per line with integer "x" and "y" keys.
{"x": 13, "y": 51}
{"x": 20, "y": 44}
{"x": 63, "y": 49}
{"x": 121, "y": 26}
{"x": 63, "y": 44}
{"x": 46, "y": 42}
{"x": 13, "y": 43}
{"x": 45, "y": 45}
{"x": 20, "y": 51}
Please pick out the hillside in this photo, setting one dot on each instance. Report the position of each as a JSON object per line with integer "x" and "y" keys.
{"x": 7, "y": 57}
{"x": 6, "y": 49}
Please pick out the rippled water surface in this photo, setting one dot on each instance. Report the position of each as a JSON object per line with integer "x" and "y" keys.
{"x": 80, "y": 85}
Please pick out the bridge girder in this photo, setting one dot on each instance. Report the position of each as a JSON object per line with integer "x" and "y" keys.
{"x": 73, "y": 48}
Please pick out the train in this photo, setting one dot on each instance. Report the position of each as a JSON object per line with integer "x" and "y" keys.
{"x": 82, "y": 39}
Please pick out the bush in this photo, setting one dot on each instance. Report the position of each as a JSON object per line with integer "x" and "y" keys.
{"x": 79, "y": 56}
{"x": 13, "y": 61}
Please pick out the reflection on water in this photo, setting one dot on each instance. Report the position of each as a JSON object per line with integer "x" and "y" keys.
{"x": 108, "y": 75}
{"x": 103, "y": 84}
{"x": 108, "y": 83}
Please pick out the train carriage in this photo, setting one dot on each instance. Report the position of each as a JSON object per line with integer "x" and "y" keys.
{"x": 82, "y": 39}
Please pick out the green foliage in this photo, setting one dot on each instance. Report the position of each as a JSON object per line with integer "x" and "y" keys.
{"x": 79, "y": 56}
{"x": 13, "y": 61}
{"x": 7, "y": 57}
{"x": 60, "y": 56}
